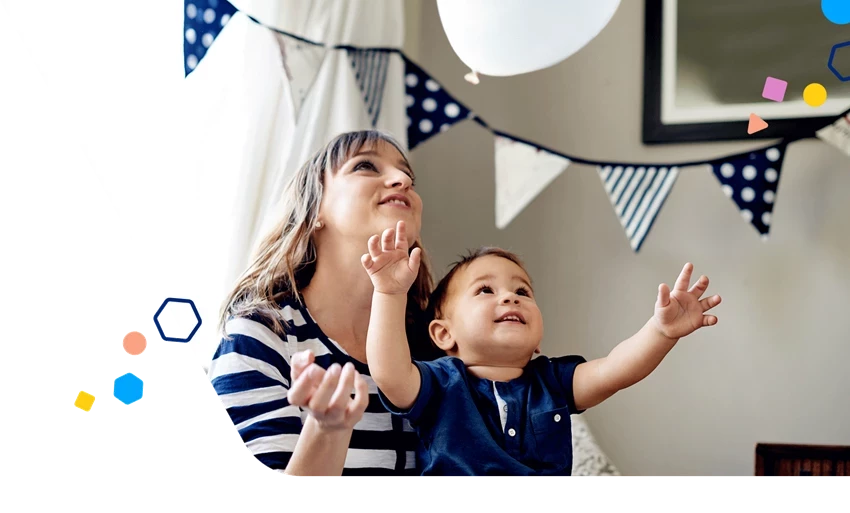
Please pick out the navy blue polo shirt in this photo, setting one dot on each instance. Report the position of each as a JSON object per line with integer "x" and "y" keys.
{"x": 473, "y": 426}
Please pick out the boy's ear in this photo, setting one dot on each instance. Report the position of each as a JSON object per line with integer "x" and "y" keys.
{"x": 439, "y": 331}
{"x": 537, "y": 349}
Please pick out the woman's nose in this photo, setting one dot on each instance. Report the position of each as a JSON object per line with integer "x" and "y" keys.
{"x": 400, "y": 179}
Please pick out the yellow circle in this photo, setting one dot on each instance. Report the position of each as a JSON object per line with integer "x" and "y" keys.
{"x": 814, "y": 94}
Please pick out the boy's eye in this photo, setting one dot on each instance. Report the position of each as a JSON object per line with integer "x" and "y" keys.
{"x": 484, "y": 289}
{"x": 522, "y": 291}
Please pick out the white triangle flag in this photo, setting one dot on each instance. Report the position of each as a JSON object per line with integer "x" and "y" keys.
{"x": 522, "y": 172}
{"x": 837, "y": 134}
{"x": 637, "y": 194}
{"x": 301, "y": 62}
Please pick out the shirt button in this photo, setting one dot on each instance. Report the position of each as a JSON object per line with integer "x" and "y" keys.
{"x": 505, "y": 407}
{"x": 557, "y": 417}
{"x": 511, "y": 432}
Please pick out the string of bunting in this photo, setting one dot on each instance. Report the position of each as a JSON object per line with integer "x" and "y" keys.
{"x": 523, "y": 169}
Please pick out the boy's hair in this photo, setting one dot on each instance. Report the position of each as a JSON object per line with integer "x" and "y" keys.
{"x": 441, "y": 294}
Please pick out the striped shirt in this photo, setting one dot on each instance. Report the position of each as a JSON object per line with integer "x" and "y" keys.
{"x": 251, "y": 375}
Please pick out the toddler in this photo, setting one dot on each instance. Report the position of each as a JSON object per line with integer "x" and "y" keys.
{"x": 488, "y": 408}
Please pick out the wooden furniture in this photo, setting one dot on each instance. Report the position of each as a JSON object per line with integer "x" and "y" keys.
{"x": 802, "y": 460}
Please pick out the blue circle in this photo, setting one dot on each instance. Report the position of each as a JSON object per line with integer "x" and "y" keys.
{"x": 836, "y": 11}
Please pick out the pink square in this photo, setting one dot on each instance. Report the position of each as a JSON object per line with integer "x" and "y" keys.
{"x": 774, "y": 89}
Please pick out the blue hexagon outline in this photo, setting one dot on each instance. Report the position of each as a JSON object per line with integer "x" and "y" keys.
{"x": 131, "y": 377}
{"x": 162, "y": 307}
{"x": 140, "y": 380}
{"x": 832, "y": 56}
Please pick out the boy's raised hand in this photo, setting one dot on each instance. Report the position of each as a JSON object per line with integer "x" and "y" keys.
{"x": 392, "y": 270}
{"x": 680, "y": 312}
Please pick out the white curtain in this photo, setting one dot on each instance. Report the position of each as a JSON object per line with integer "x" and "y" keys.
{"x": 247, "y": 137}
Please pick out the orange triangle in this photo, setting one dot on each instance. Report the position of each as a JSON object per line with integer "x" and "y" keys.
{"x": 756, "y": 124}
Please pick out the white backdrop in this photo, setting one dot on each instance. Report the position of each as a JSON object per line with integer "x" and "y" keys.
{"x": 114, "y": 70}
{"x": 190, "y": 166}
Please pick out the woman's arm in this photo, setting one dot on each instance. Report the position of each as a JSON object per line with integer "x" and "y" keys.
{"x": 326, "y": 395}
{"x": 319, "y": 452}
{"x": 250, "y": 380}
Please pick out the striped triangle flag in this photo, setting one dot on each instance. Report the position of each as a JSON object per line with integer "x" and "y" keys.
{"x": 637, "y": 194}
{"x": 370, "y": 71}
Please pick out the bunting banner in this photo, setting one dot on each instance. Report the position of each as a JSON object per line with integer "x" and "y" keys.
{"x": 202, "y": 22}
{"x": 751, "y": 181}
{"x": 523, "y": 169}
{"x": 637, "y": 194}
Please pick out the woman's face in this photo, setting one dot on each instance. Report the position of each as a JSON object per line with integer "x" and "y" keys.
{"x": 371, "y": 192}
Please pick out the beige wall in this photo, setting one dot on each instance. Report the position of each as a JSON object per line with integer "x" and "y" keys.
{"x": 775, "y": 369}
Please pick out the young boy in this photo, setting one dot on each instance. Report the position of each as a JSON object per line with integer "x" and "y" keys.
{"x": 488, "y": 408}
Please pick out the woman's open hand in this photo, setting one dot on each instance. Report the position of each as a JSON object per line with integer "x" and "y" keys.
{"x": 326, "y": 394}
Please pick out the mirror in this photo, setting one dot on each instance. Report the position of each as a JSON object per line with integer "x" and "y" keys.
{"x": 706, "y": 64}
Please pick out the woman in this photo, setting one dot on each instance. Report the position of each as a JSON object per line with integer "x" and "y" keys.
{"x": 295, "y": 325}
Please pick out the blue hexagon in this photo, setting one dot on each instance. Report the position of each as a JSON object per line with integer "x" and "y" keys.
{"x": 159, "y": 327}
{"x": 832, "y": 56}
{"x": 128, "y": 388}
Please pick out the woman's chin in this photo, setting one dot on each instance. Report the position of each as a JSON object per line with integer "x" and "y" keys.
{"x": 390, "y": 218}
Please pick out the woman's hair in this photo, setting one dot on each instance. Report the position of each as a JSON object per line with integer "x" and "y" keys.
{"x": 285, "y": 260}
{"x": 441, "y": 293}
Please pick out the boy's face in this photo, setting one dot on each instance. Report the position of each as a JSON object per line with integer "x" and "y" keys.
{"x": 490, "y": 316}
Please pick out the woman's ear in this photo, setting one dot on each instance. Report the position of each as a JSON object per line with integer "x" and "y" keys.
{"x": 440, "y": 334}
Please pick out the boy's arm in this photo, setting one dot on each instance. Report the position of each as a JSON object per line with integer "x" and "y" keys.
{"x": 388, "y": 353}
{"x": 629, "y": 362}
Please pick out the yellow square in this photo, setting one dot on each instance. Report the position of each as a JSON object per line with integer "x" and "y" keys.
{"x": 84, "y": 401}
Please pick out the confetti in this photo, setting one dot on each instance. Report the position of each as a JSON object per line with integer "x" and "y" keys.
{"x": 756, "y": 124}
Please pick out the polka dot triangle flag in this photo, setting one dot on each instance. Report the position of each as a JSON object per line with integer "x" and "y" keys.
{"x": 751, "y": 181}
{"x": 430, "y": 109}
{"x": 202, "y": 22}
{"x": 637, "y": 194}
{"x": 370, "y": 71}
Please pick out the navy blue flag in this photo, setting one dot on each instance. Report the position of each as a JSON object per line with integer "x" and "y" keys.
{"x": 202, "y": 22}
{"x": 751, "y": 181}
{"x": 430, "y": 109}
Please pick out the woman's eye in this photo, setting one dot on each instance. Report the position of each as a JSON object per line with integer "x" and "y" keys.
{"x": 366, "y": 164}
{"x": 522, "y": 291}
{"x": 484, "y": 289}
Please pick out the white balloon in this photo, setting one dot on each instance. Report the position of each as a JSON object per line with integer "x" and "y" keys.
{"x": 509, "y": 37}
